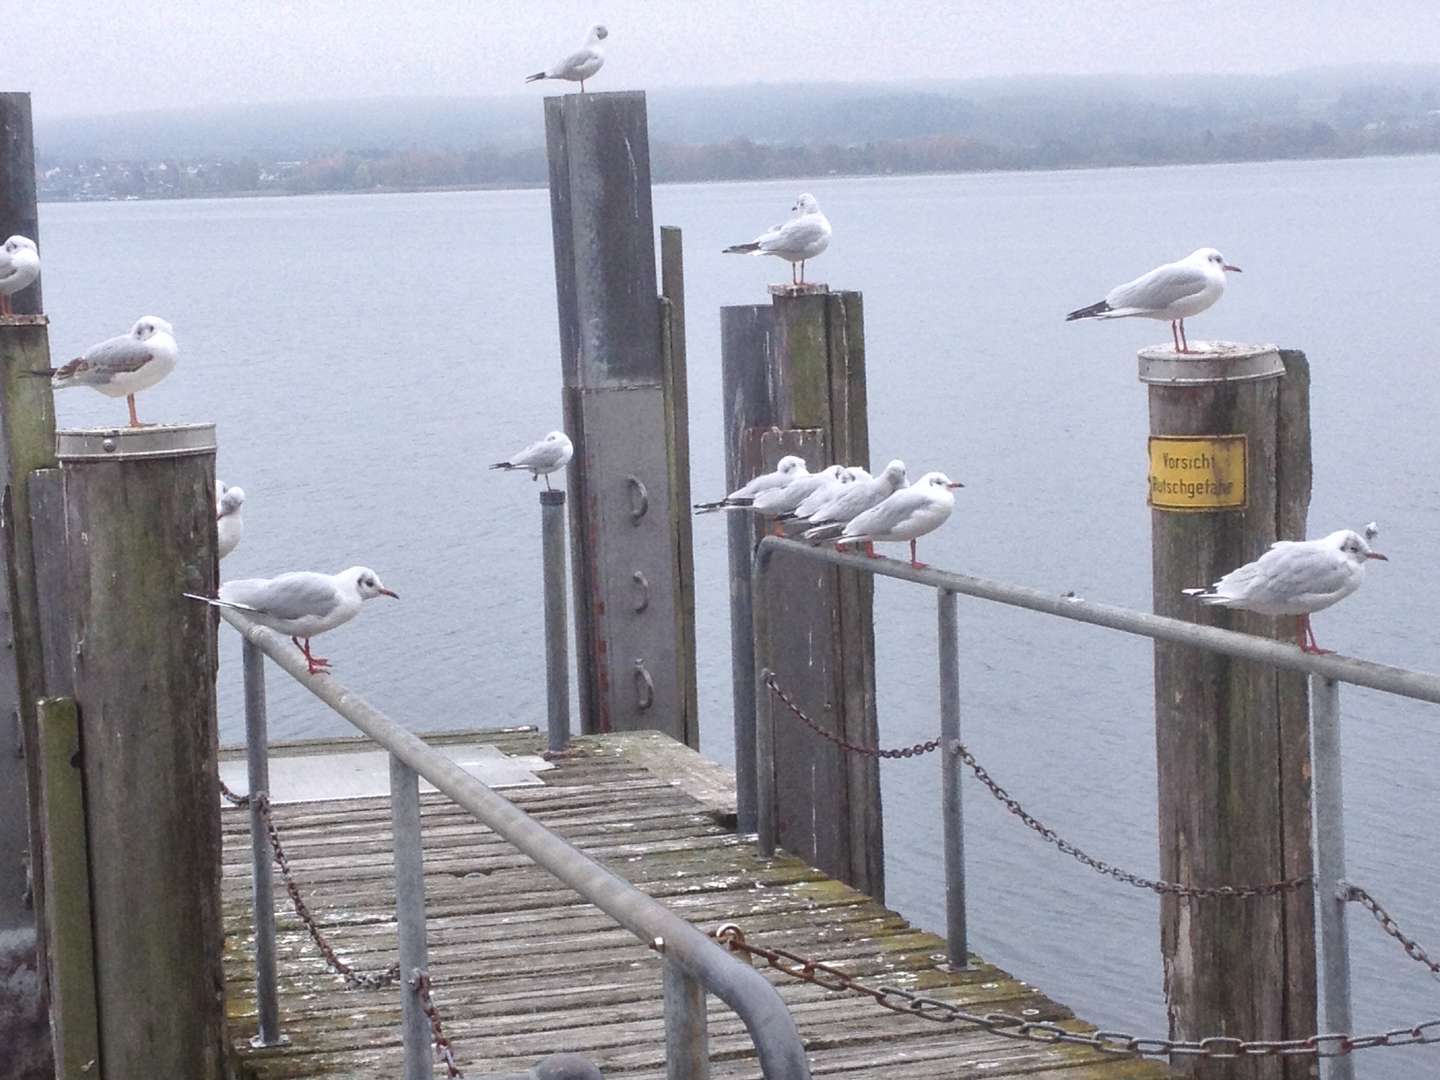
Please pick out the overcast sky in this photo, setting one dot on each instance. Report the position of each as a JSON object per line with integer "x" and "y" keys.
{"x": 99, "y": 56}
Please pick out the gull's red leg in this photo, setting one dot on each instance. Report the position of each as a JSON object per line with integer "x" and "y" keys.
{"x": 870, "y": 549}
{"x": 914, "y": 559}
{"x": 134, "y": 420}
{"x": 5, "y": 305}
{"x": 1184, "y": 341}
{"x": 1313, "y": 646}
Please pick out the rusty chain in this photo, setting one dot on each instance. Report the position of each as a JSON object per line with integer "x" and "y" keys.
{"x": 1356, "y": 895}
{"x": 1049, "y": 835}
{"x": 896, "y": 999}
{"x": 420, "y": 983}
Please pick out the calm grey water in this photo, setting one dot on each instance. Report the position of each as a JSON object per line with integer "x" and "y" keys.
{"x": 365, "y": 357}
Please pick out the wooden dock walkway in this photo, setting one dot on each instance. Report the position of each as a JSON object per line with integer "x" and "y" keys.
{"x": 522, "y": 968}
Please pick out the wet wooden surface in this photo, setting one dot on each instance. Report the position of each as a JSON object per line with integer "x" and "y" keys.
{"x": 522, "y": 967}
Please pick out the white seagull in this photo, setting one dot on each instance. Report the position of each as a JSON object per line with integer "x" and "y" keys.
{"x": 579, "y": 65}
{"x": 19, "y": 267}
{"x": 804, "y": 236}
{"x": 1173, "y": 292}
{"x": 788, "y": 467}
{"x": 123, "y": 366}
{"x": 779, "y": 501}
{"x": 830, "y": 519}
{"x": 831, "y": 489}
{"x": 550, "y": 454}
{"x": 1296, "y": 577}
{"x": 302, "y": 604}
{"x": 229, "y": 525}
{"x": 908, "y": 514}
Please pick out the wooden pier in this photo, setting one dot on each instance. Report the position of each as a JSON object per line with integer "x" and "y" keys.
{"x": 522, "y": 968}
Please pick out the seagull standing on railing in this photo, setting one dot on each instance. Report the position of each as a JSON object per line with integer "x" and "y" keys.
{"x": 302, "y": 604}
{"x": 908, "y": 514}
{"x": 579, "y": 65}
{"x": 829, "y": 521}
{"x": 124, "y": 365}
{"x": 1297, "y": 577}
{"x": 830, "y": 490}
{"x": 1172, "y": 292}
{"x": 779, "y": 501}
{"x": 229, "y": 525}
{"x": 550, "y": 454}
{"x": 19, "y": 267}
{"x": 788, "y": 468}
{"x": 798, "y": 240}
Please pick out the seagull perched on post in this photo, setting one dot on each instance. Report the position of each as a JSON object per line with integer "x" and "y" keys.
{"x": 229, "y": 526}
{"x": 302, "y": 604}
{"x": 19, "y": 267}
{"x": 908, "y": 514}
{"x": 1297, "y": 577}
{"x": 1173, "y": 292}
{"x": 854, "y": 499}
{"x": 550, "y": 454}
{"x": 579, "y": 65}
{"x": 786, "y": 469}
{"x": 800, "y": 239}
{"x": 122, "y": 366}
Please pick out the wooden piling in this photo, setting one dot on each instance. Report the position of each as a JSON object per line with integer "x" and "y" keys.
{"x": 140, "y": 532}
{"x": 794, "y": 378}
{"x": 1232, "y": 737}
{"x": 19, "y": 213}
{"x": 631, "y": 571}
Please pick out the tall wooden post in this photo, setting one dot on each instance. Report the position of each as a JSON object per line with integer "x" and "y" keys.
{"x": 631, "y": 570}
{"x": 794, "y": 377}
{"x": 27, "y": 429}
{"x": 140, "y": 532}
{"x": 1229, "y": 475}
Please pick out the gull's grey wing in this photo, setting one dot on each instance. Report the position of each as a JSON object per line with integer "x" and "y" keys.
{"x": 1300, "y": 569}
{"x": 885, "y": 515}
{"x": 111, "y": 357}
{"x": 542, "y": 454}
{"x": 795, "y": 235}
{"x": 573, "y": 62}
{"x": 1159, "y": 288}
{"x": 289, "y": 596}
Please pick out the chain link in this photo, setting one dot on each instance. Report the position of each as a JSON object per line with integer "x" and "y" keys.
{"x": 1356, "y": 895}
{"x": 420, "y": 983}
{"x": 1049, "y": 835}
{"x": 896, "y": 999}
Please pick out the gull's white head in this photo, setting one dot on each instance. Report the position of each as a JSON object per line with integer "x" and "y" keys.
{"x": 1353, "y": 546}
{"x": 366, "y": 582}
{"x": 19, "y": 243}
{"x": 557, "y": 437}
{"x": 1211, "y": 257}
{"x": 856, "y": 472}
{"x": 230, "y": 501}
{"x": 835, "y": 472}
{"x": 150, "y": 325}
{"x": 790, "y": 465}
{"x": 895, "y": 473}
{"x": 806, "y": 204}
{"x": 598, "y": 33}
{"x": 938, "y": 480}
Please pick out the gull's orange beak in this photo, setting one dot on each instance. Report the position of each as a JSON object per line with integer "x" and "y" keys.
{"x": 1232, "y": 269}
{"x": 387, "y": 592}
{"x": 954, "y": 484}
{"x": 1377, "y": 555}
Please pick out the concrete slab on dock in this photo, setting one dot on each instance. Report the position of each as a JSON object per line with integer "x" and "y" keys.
{"x": 523, "y": 968}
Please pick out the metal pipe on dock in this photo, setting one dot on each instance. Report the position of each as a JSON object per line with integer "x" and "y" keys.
{"x": 410, "y": 915}
{"x": 557, "y": 650}
{"x": 1330, "y": 887}
{"x": 687, "y": 1033}
{"x": 257, "y": 747}
{"x": 952, "y": 807}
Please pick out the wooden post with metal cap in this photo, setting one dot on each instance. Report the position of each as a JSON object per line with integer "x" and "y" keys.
{"x": 1229, "y": 454}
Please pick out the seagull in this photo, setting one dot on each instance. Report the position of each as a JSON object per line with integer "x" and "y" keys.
{"x": 229, "y": 526}
{"x": 788, "y": 468}
{"x": 542, "y": 458}
{"x": 302, "y": 604}
{"x": 828, "y": 522}
{"x": 908, "y": 514}
{"x": 19, "y": 267}
{"x": 1296, "y": 577}
{"x": 804, "y": 236}
{"x": 580, "y": 65}
{"x": 1172, "y": 292}
{"x": 776, "y": 502}
{"x": 828, "y": 491}
{"x": 123, "y": 366}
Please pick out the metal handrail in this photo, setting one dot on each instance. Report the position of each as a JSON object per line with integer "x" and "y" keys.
{"x": 757, "y": 795}
{"x": 689, "y": 954}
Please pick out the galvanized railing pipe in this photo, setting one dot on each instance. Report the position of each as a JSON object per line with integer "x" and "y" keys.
{"x": 1328, "y": 803}
{"x": 687, "y": 1032}
{"x": 952, "y": 811}
{"x": 557, "y": 649}
{"x": 745, "y": 990}
{"x": 257, "y": 744}
{"x": 410, "y": 915}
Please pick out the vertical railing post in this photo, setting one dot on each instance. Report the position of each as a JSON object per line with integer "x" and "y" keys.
{"x": 687, "y": 1036}
{"x": 952, "y": 810}
{"x": 557, "y": 652}
{"x": 257, "y": 745}
{"x": 1334, "y": 937}
{"x": 410, "y": 914}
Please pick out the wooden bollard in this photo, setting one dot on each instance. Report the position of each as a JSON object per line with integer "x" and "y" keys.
{"x": 140, "y": 532}
{"x": 632, "y": 569}
{"x": 1229, "y": 475}
{"x": 794, "y": 379}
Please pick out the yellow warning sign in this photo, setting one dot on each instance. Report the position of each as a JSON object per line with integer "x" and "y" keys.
{"x": 1197, "y": 472}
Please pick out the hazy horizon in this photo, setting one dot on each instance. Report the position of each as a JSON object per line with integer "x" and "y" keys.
{"x": 272, "y": 52}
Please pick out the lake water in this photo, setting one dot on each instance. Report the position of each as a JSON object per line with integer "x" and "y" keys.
{"x": 366, "y": 356}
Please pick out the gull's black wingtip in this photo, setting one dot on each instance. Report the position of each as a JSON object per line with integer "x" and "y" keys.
{"x": 1088, "y": 312}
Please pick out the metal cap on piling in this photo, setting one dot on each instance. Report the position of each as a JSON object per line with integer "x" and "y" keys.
{"x": 157, "y": 441}
{"x": 1221, "y": 361}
